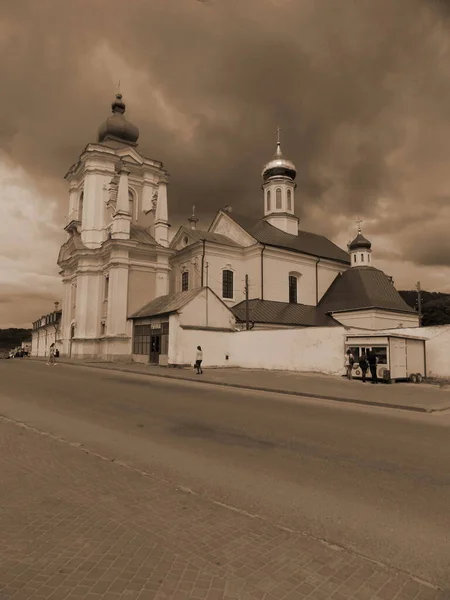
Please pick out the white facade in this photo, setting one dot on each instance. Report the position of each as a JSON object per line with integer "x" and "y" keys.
{"x": 268, "y": 268}
{"x": 46, "y": 331}
{"x": 116, "y": 258}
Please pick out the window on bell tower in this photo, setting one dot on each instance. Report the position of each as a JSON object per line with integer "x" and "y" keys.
{"x": 268, "y": 201}
{"x": 185, "y": 281}
{"x": 289, "y": 200}
{"x": 80, "y": 206}
{"x": 278, "y": 198}
{"x": 131, "y": 204}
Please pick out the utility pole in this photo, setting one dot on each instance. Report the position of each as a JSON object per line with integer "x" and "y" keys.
{"x": 206, "y": 293}
{"x": 247, "y": 319}
{"x": 419, "y": 302}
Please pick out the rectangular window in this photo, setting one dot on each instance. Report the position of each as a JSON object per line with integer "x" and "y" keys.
{"x": 292, "y": 289}
{"x": 106, "y": 293}
{"x": 185, "y": 281}
{"x": 141, "y": 340}
{"x": 227, "y": 283}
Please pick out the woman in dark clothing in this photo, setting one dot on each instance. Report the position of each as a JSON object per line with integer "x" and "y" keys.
{"x": 372, "y": 359}
{"x": 363, "y": 365}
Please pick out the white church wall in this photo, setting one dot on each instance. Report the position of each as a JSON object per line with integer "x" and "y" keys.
{"x": 141, "y": 287}
{"x": 327, "y": 273}
{"x": 375, "y": 319}
{"x": 437, "y": 348}
{"x": 318, "y": 349}
{"x": 278, "y": 265}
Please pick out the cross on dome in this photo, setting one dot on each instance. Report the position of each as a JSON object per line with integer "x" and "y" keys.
{"x": 359, "y": 223}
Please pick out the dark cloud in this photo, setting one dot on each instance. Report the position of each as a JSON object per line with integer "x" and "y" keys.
{"x": 362, "y": 95}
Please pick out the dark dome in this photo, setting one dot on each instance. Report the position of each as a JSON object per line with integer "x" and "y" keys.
{"x": 117, "y": 127}
{"x": 279, "y": 166}
{"x": 360, "y": 242}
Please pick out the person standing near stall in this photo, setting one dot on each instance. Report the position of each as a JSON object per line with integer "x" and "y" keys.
{"x": 372, "y": 360}
{"x": 363, "y": 365}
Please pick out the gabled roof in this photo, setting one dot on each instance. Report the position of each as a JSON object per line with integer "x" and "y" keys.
{"x": 304, "y": 243}
{"x": 166, "y": 304}
{"x": 283, "y": 313}
{"x": 363, "y": 287}
{"x": 198, "y": 235}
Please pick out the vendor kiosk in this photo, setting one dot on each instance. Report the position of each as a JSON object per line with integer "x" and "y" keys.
{"x": 399, "y": 357}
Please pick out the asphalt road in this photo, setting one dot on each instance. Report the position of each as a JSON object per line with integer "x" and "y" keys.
{"x": 376, "y": 481}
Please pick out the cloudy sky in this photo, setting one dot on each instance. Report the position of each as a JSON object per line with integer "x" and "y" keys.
{"x": 360, "y": 88}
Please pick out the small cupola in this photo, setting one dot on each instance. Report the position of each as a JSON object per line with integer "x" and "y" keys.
{"x": 360, "y": 250}
{"x": 117, "y": 127}
{"x": 278, "y": 187}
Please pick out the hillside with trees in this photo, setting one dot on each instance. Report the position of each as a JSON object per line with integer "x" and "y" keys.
{"x": 13, "y": 337}
{"x": 435, "y": 306}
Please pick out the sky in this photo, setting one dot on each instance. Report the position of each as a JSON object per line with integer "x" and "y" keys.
{"x": 360, "y": 89}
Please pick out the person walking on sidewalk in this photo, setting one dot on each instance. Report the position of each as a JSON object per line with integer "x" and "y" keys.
{"x": 198, "y": 360}
{"x": 51, "y": 355}
{"x": 363, "y": 365}
{"x": 372, "y": 360}
{"x": 349, "y": 361}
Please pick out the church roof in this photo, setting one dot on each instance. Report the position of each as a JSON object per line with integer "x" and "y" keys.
{"x": 283, "y": 313}
{"x": 140, "y": 234}
{"x": 218, "y": 238}
{"x": 304, "y": 243}
{"x": 362, "y": 287}
{"x": 166, "y": 304}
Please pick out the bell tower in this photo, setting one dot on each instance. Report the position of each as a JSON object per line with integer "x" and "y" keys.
{"x": 360, "y": 250}
{"x": 279, "y": 189}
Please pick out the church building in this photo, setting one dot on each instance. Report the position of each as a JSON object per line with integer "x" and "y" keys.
{"x": 123, "y": 277}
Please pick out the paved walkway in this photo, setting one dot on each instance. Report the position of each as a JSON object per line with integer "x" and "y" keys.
{"x": 74, "y": 526}
{"x": 416, "y": 397}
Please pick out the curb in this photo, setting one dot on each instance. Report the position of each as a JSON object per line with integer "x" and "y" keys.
{"x": 419, "y": 409}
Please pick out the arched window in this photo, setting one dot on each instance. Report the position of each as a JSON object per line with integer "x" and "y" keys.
{"x": 354, "y": 258}
{"x": 293, "y": 280}
{"x": 268, "y": 201}
{"x": 131, "y": 204}
{"x": 368, "y": 258}
{"x": 362, "y": 257}
{"x": 185, "y": 281}
{"x": 227, "y": 283}
{"x": 289, "y": 200}
{"x": 278, "y": 198}
{"x": 80, "y": 206}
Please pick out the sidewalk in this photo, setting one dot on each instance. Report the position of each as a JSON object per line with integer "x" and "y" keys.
{"x": 422, "y": 397}
{"x": 76, "y": 525}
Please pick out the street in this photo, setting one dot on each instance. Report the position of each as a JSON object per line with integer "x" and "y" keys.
{"x": 371, "y": 480}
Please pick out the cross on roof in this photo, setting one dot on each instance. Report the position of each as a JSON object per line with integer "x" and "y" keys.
{"x": 278, "y": 134}
{"x": 359, "y": 222}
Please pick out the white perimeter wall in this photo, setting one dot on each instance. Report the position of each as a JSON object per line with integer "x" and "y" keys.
{"x": 319, "y": 349}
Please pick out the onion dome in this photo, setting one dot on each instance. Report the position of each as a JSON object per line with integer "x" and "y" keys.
{"x": 117, "y": 127}
{"x": 360, "y": 242}
{"x": 279, "y": 166}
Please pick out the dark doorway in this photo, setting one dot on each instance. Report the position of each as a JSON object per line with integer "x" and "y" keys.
{"x": 155, "y": 346}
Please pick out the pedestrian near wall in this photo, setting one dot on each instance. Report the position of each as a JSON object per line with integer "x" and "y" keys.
{"x": 198, "y": 360}
{"x": 51, "y": 355}
{"x": 363, "y": 365}
{"x": 372, "y": 360}
{"x": 349, "y": 361}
